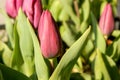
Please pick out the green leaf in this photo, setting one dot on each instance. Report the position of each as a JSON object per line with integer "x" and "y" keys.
{"x": 67, "y": 6}
{"x": 95, "y": 7}
{"x": 105, "y": 68}
{"x": 1, "y": 76}
{"x": 34, "y": 76}
{"x": 85, "y": 9}
{"x": 6, "y": 53}
{"x": 68, "y": 33}
{"x": 89, "y": 47}
{"x": 84, "y": 25}
{"x": 55, "y": 9}
{"x": 41, "y": 66}
{"x": 9, "y": 27}
{"x": 67, "y": 62}
{"x": 84, "y": 14}
{"x": 16, "y": 61}
{"x": 113, "y": 50}
{"x": 63, "y": 16}
{"x": 26, "y": 43}
{"x": 98, "y": 37}
{"x": 116, "y": 33}
{"x": 80, "y": 76}
{"x": 10, "y": 74}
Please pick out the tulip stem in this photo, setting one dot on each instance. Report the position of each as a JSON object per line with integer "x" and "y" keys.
{"x": 76, "y": 7}
{"x": 106, "y": 37}
{"x": 53, "y": 62}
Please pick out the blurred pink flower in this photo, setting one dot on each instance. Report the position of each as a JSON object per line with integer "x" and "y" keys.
{"x": 106, "y": 22}
{"x": 12, "y": 7}
{"x": 49, "y": 36}
{"x": 33, "y": 10}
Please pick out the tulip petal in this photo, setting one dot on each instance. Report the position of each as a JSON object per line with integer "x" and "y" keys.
{"x": 19, "y": 4}
{"x": 48, "y": 35}
{"x": 10, "y": 8}
{"x": 37, "y": 12}
{"x": 106, "y": 22}
{"x": 28, "y": 9}
{"x": 33, "y": 10}
{"x": 110, "y": 21}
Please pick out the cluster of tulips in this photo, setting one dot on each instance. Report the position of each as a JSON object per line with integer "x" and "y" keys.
{"x": 42, "y": 21}
{"x": 41, "y": 49}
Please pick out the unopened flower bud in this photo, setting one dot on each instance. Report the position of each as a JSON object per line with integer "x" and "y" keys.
{"x": 12, "y": 7}
{"x": 106, "y": 22}
{"x": 49, "y": 36}
{"x": 33, "y": 10}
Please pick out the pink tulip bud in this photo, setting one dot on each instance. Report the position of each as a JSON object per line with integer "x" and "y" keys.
{"x": 33, "y": 10}
{"x": 106, "y": 22}
{"x": 49, "y": 36}
{"x": 12, "y": 7}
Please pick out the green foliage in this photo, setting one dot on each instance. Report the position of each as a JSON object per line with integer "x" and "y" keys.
{"x": 5, "y": 53}
{"x": 105, "y": 68}
{"x": 9, "y": 28}
{"x": 7, "y": 73}
{"x": 41, "y": 64}
{"x": 113, "y": 50}
{"x": 63, "y": 70}
{"x": 68, "y": 33}
{"x": 86, "y": 53}
{"x": 97, "y": 36}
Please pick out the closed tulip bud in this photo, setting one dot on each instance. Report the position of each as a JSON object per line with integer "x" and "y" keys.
{"x": 106, "y": 22}
{"x": 33, "y": 10}
{"x": 49, "y": 36}
{"x": 12, "y": 7}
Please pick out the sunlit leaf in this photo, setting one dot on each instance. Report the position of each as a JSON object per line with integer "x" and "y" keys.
{"x": 81, "y": 76}
{"x": 63, "y": 15}
{"x": 55, "y": 9}
{"x": 41, "y": 66}
{"x": 68, "y": 33}
{"x": 88, "y": 49}
{"x": 116, "y": 33}
{"x": 105, "y": 68}
{"x": 9, "y": 27}
{"x": 63, "y": 70}
{"x": 98, "y": 38}
{"x": 113, "y": 50}
{"x": 25, "y": 43}
{"x": 5, "y": 53}
{"x": 16, "y": 61}
{"x": 85, "y": 13}
{"x": 67, "y": 6}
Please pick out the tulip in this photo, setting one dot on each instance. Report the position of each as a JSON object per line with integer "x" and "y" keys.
{"x": 12, "y": 7}
{"x": 49, "y": 36}
{"x": 33, "y": 10}
{"x": 106, "y": 22}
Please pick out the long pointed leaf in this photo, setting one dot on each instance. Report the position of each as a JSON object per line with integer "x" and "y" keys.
{"x": 10, "y": 74}
{"x": 26, "y": 43}
{"x": 9, "y": 27}
{"x": 5, "y": 53}
{"x": 70, "y": 12}
{"x": 40, "y": 64}
{"x": 16, "y": 61}
{"x": 99, "y": 40}
{"x": 63, "y": 70}
{"x": 105, "y": 68}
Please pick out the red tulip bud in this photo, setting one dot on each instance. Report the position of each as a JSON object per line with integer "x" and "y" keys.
{"x": 49, "y": 36}
{"x": 12, "y": 7}
{"x": 106, "y": 22}
{"x": 33, "y": 10}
